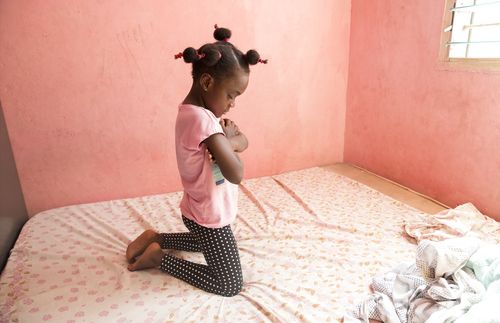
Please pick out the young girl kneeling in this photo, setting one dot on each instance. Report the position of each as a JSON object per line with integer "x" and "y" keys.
{"x": 207, "y": 150}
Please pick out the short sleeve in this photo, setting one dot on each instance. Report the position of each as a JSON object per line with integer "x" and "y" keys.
{"x": 199, "y": 124}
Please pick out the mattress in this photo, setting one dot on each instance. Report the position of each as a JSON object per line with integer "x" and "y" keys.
{"x": 310, "y": 242}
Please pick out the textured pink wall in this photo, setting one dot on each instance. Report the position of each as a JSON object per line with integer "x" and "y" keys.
{"x": 436, "y": 131}
{"x": 90, "y": 90}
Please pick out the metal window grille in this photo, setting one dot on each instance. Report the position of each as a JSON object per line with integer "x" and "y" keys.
{"x": 475, "y": 29}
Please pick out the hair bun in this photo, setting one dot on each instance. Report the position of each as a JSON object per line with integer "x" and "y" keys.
{"x": 211, "y": 55}
{"x": 190, "y": 55}
{"x": 222, "y": 34}
{"x": 252, "y": 57}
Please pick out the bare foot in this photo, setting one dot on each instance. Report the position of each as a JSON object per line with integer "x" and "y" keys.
{"x": 150, "y": 258}
{"x": 137, "y": 247}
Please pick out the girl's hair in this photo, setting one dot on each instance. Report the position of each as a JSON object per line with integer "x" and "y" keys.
{"x": 219, "y": 59}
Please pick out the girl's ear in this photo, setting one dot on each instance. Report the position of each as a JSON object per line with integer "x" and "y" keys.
{"x": 206, "y": 81}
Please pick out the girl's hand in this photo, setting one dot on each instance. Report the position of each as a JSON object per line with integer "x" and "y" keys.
{"x": 237, "y": 139}
{"x": 230, "y": 128}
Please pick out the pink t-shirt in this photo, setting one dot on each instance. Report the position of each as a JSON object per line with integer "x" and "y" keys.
{"x": 204, "y": 202}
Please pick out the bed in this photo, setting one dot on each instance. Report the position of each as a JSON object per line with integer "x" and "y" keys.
{"x": 310, "y": 241}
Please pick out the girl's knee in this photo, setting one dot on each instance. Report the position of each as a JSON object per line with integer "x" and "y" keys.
{"x": 232, "y": 288}
{"x": 232, "y": 292}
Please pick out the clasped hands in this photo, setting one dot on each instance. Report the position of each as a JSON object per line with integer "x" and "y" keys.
{"x": 237, "y": 138}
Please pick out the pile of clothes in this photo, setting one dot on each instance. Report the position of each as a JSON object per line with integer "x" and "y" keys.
{"x": 453, "y": 279}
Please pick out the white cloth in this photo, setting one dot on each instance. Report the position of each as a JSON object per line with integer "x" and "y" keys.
{"x": 440, "y": 287}
{"x": 464, "y": 220}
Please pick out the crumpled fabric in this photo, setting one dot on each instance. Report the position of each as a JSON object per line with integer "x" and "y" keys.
{"x": 441, "y": 286}
{"x": 464, "y": 220}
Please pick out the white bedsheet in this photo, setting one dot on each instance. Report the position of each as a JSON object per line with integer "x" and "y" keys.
{"x": 309, "y": 242}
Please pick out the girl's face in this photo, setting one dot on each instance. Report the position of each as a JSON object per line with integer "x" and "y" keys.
{"x": 220, "y": 96}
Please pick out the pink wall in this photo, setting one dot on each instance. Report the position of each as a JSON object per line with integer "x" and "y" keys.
{"x": 90, "y": 90}
{"x": 436, "y": 131}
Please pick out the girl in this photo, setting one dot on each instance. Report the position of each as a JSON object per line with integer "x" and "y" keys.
{"x": 210, "y": 169}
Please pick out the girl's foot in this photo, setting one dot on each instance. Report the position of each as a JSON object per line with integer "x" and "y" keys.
{"x": 150, "y": 258}
{"x": 137, "y": 247}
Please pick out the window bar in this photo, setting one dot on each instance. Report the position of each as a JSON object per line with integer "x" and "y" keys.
{"x": 472, "y": 42}
{"x": 469, "y": 33}
{"x": 481, "y": 25}
{"x": 475, "y": 5}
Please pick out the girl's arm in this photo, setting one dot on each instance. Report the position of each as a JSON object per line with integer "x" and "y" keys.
{"x": 222, "y": 151}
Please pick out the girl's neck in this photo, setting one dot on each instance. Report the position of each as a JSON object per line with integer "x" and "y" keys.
{"x": 194, "y": 97}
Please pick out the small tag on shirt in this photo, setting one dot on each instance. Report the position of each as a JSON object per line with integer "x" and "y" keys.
{"x": 218, "y": 177}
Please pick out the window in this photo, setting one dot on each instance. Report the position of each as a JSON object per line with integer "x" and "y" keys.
{"x": 471, "y": 33}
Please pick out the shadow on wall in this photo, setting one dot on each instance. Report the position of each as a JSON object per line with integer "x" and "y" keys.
{"x": 13, "y": 212}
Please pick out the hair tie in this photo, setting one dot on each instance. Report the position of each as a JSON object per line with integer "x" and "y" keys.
{"x": 263, "y": 61}
{"x": 200, "y": 56}
{"x": 176, "y": 56}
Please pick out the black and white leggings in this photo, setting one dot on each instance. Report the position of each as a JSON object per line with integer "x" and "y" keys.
{"x": 222, "y": 274}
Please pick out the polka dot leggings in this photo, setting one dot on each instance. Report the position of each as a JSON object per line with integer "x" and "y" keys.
{"x": 222, "y": 274}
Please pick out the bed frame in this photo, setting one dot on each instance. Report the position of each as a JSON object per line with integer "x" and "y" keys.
{"x": 13, "y": 213}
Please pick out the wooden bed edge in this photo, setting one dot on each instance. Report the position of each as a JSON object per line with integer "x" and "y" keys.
{"x": 363, "y": 176}
{"x": 403, "y": 187}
